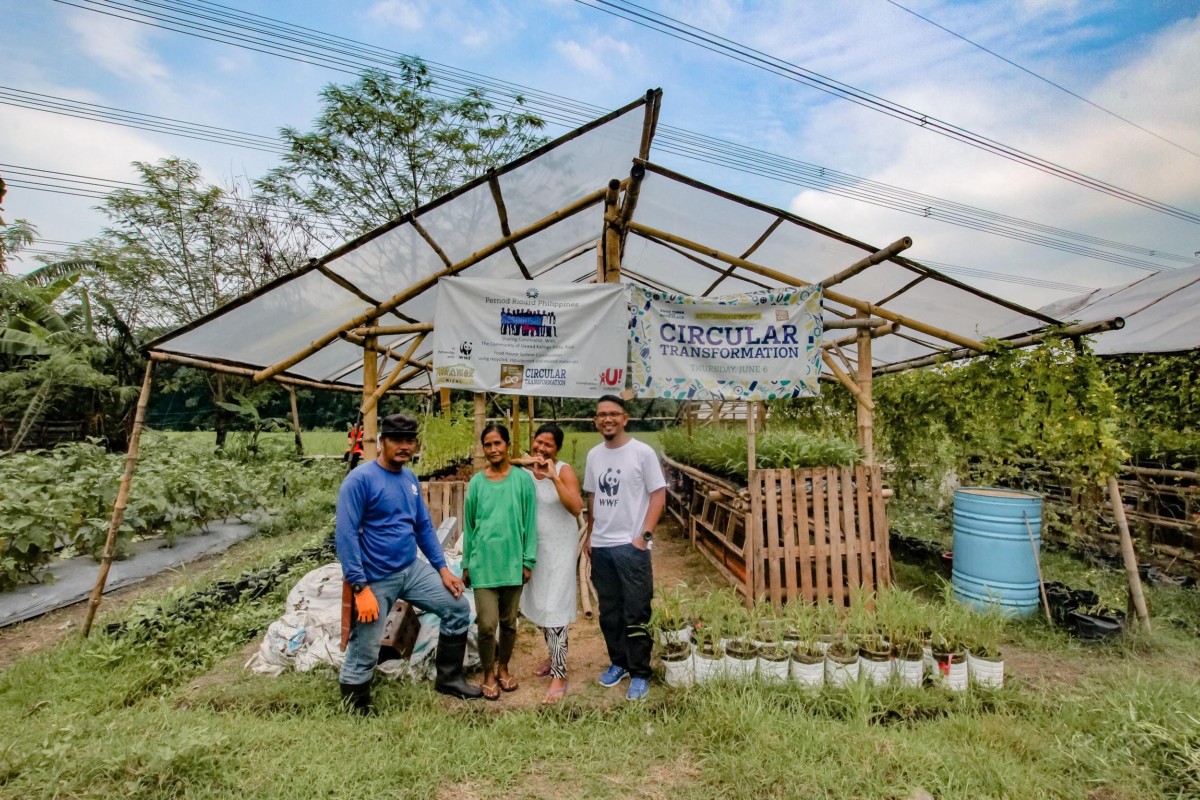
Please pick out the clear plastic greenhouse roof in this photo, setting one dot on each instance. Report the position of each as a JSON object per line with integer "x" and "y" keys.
{"x": 1161, "y": 313}
{"x": 542, "y": 218}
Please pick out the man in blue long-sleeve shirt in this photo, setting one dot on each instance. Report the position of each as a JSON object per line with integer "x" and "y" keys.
{"x": 381, "y": 521}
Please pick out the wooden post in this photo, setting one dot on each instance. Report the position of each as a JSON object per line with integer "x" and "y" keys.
{"x": 687, "y": 417}
{"x": 478, "y": 462}
{"x": 532, "y": 427}
{"x": 370, "y": 383}
{"x": 296, "y": 421}
{"x": 516, "y": 420}
{"x": 1127, "y": 554}
{"x": 751, "y": 437}
{"x": 865, "y": 411}
{"x": 118, "y": 512}
{"x": 444, "y": 402}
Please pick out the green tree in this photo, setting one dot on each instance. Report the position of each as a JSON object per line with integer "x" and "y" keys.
{"x": 14, "y": 236}
{"x": 387, "y": 143}
{"x": 57, "y": 353}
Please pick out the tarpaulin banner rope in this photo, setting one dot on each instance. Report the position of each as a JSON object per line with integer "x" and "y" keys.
{"x": 757, "y": 346}
{"x": 530, "y": 338}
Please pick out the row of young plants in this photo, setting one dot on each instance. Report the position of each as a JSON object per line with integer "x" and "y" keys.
{"x": 58, "y": 502}
{"x": 722, "y": 451}
{"x": 890, "y": 637}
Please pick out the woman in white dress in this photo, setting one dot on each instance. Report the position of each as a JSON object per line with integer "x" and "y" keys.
{"x": 549, "y": 599}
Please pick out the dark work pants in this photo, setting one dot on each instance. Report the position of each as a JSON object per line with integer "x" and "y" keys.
{"x": 624, "y": 584}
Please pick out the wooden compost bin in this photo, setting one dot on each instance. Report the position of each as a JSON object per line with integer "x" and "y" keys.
{"x": 445, "y": 499}
{"x": 811, "y": 534}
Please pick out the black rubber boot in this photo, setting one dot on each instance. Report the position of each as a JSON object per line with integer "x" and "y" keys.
{"x": 356, "y": 698}
{"x": 449, "y": 662}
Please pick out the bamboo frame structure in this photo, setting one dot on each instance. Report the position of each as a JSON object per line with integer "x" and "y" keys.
{"x": 416, "y": 289}
{"x": 393, "y": 330}
{"x": 118, "y": 512}
{"x": 845, "y": 380}
{"x": 373, "y": 398}
{"x": 791, "y": 280}
{"x": 1083, "y": 329}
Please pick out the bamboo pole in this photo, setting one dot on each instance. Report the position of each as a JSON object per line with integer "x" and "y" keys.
{"x": 370, "y": 412}
{"x": 845, "y": 341}
{"x": 118, "y": 512}
{"x": 478, "y": 462}
{"x": 393, "y": 330}
{"x": 846, "y": 380}
{"x": 516, "y": 420}
{"x": 502, "y": 214}
{"x": 1037, "y": 562}
{"x": 855, "y": 323}
{"x": 865, "y": 413}
{"x": 612, "y": 233}
{"x": 791, "y": 280}
{"x": 895, "y": 248}
{"x": 1083, "y": 329}
{"x": 531, "y": 425}
{"x": 1130, "y": 558}
{"x": 246, "y": 372}
{"x": 444, "y": 402}
{"x": 372, "y": 401}
{"x": 296, "y": 421}
{"x": 751, "y": 437}
{"x": 422, "y": 285}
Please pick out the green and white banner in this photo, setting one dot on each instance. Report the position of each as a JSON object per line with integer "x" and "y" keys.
{"x": 758, "y": 346}
{"x": 530, "y": 338}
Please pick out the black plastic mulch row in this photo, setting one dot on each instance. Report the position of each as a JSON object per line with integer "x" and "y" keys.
{"x": 249, "y": 585}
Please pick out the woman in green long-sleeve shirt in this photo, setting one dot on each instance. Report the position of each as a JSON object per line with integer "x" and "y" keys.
{"x": 499, "y": 553}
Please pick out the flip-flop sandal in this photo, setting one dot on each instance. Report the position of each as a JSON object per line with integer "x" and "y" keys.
{"x": 490, "y": 692}
{"x": 543, "y": 670}
{"x": 555, "y": 695}
{"x": 508, "y": 684}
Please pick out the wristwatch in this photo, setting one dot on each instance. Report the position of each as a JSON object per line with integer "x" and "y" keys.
{"x": 648, "y": 538}
{"x": 357, "y": 587}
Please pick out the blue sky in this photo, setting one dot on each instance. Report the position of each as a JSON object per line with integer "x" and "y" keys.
{"x": 1137, "y": 59}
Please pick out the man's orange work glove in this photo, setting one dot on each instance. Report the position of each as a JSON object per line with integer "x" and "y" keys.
{"x": 367, "y": 605}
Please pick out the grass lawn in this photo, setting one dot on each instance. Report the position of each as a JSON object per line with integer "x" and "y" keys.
{"x": 167, "y": 711}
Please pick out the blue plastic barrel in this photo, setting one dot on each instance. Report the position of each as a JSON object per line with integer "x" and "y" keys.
{"x": 994, "y": 561}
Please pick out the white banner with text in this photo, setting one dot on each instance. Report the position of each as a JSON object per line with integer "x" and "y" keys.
{"x": 524, "y": 337}
{"x": 757, "y": 346}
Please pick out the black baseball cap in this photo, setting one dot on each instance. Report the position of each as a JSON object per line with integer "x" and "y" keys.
{"x": 398, "y": 426}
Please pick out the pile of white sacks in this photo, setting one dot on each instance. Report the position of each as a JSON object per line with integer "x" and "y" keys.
{"x": 309, "y": 632}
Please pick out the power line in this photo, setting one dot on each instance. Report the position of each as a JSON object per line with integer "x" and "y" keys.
{"x": 73, "y": 184}
{"x": 1045, "y": 80}
{"x": 677, "y": 141}
{"x": 685, "y": 32}
{"x": 79, "y": 109}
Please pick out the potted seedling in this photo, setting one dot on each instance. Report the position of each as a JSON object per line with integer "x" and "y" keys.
{"x": 741, "y": 650}
{"x": 808, "y": 659}
{"x": 985, "y": 662}
{"x": 841, "y": 662}
{"x": 902, "y": 615}
{"x": 774, "y": 659}
{"x": 668, "y": 619}
{"x": 678, "y": 664}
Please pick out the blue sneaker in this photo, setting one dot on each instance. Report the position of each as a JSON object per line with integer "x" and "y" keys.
{"x": 638, "y": 689}
{"x": 613, "y": 675}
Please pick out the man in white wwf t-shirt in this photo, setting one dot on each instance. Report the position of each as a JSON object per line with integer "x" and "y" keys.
{"x": 626, "y": 495}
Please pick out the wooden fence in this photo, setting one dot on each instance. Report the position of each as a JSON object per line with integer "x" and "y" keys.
{"x": 808, "y": 534}
{"x": 1162, "y": 505}
{"x": 445, "y": 499}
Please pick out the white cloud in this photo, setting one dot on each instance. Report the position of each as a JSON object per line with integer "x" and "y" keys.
{"x": 475, "y": 38}
{"x": 595, "y": 56}
{"x": 402, "y": 14}
{"x": 117, "y": 46}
